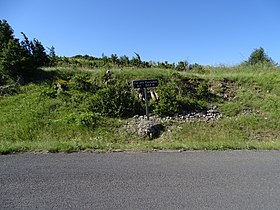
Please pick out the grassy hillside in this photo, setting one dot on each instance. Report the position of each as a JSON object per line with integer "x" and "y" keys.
{"x": 66, "y": 109}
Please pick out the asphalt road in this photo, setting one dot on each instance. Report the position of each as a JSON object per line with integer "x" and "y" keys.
{"x": 158, "y": 180}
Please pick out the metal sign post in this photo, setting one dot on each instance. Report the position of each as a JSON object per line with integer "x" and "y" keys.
{"x": 146, "y": 103}
{"x": 145, "y": 84}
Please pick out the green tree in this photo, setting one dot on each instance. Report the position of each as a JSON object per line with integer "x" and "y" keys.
{"x": 259, "y": 56}
{"x": 136, "y": 61}
{"x": 19, "y": 58}
{"x": 165, "y": 65}
{"x": 114, "y": 59}
{"x": 182, "y": 66}
{"x": 26, "y": 45}
{"x": 52, "y": 56}
{"x": 6, "y": 34}
{"x": 35, "y": 52}
{"x": 105, "y": 59}
{"x": 11, "y": 53}
{"x": 124, "y": 60}
{"x": 12, "y": 58}
{"x": 39, "y": 55}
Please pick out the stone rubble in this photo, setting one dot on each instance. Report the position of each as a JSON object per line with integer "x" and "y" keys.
{"x": 149, "y": 128}
{"x": 198, "y": 116}
{"x": 154, "y": 126}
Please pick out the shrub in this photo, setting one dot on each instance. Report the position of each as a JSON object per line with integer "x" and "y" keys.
{"x": 197, "y": 68}
{"x": 168, "y": 103}
{"x": 81, "y": 82}
{"x": 116, "y": 101}
{"x": 202, "y": 91}
{"x": 88, "y": 119}
{"x": 175, "y": 97}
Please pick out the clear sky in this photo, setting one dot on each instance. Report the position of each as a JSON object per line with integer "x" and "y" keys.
{"x": 209, "y": 32}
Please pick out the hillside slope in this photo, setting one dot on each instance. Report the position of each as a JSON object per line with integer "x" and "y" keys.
{"x": 69, "y": 110}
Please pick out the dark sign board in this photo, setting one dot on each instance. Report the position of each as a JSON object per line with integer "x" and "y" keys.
{"x": 145, "y": 83}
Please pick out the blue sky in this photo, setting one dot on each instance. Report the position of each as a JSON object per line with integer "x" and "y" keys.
{"x": 208, "y": 32}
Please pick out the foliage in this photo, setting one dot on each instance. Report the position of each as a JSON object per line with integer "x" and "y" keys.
{"x": 182, "y": 66}
{"x": 12, "y": 58}
{"x": 19, "y": 58}
{"x": 113, "y": 100}
{"x": 81, "y": 82}
{"x": 41, "y": 118}
{"x": 35, "y": 52}
{"x": 165, "y": 65}
{"x": 202, "y": 91}
{"x": 6, "y": 33}
{"x": 197, "y": 68}
{"x": 168, "y": 103}
{"x": 52, "y": 57}
{"x": 258, "y": 56}
{"x": 70, "y": 108}
{"x": 116, "y": 101}
{"x": 115, "y": 61}
{"x": 179, "y": 96}
{"x": 89, "y": 119}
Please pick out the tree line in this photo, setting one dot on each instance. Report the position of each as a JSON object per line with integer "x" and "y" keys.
{"x": 258, "y": 56}
{"x": 115, "y": 61}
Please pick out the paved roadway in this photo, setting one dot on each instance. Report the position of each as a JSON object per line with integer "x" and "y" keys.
{"x": 158, "y": 180}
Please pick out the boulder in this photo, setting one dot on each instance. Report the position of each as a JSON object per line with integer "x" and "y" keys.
{"x": 149, "y": 128}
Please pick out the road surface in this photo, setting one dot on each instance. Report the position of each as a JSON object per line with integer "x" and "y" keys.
{"x": 157, "y": 180}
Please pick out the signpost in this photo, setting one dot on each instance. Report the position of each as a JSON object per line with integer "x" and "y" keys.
{"x": 145, "y": 84}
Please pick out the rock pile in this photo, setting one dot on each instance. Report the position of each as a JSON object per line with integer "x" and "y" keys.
{"x": 198, "y": 116}
{"x": 153, "y": 127}
{"x": 149, "y": 128}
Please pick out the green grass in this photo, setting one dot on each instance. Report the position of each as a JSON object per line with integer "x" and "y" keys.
{"x": 30, "y": 121}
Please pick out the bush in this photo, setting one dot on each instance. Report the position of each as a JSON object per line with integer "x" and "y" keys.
{"x": 116, "y": 101}
{"x": 202, "y": 91}
{"x": 88, "y": 119}
{"x": 168, "y": 103}
{"x": 119, "y": 99}
{"x": 197, "y": 68}
{"x": 80, "y": 82}
{"x": 178, "y": 96}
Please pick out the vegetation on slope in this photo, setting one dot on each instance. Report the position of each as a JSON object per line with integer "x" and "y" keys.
{"x": 71, "y": 106}
{"x": 42, "y": 117}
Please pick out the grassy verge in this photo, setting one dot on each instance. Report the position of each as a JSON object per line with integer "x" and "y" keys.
{"x": 31, "y": 121}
